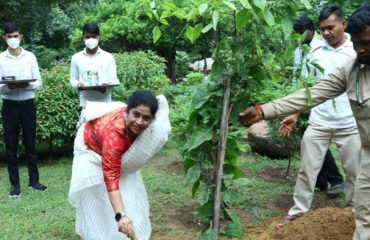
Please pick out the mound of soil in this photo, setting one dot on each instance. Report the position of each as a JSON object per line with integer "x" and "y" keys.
{"x": 323, "y": 223}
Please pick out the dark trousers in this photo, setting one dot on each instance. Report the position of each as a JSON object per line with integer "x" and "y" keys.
{"x": 329, "y": 173}
{"x": 19, "y": 115}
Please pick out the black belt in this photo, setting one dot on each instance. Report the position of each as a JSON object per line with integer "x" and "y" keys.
{"x": 18, "y": 102}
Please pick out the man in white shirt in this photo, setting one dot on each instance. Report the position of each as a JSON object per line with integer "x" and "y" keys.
{"x": 329, "y": 173}
{"x": 330, "y": 121}
{"x": 93, "y": 67}
{"x": 19, "y": 108}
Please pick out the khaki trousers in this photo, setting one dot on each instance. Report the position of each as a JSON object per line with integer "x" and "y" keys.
{"x": 362, "y": 198}
{"x": 315, "y": 143}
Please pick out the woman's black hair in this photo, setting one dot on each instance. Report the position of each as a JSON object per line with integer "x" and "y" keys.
{"x": 359, "y": 20}
{"x": 143, "y": 97}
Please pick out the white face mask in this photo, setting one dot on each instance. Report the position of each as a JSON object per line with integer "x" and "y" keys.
{"x": 91, "y": 43}
{"x": 13, "y": 43}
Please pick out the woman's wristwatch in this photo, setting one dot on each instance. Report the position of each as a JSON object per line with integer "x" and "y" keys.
{"x": 119, "y": 216}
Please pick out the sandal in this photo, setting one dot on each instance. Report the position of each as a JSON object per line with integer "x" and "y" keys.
{"x": 285, "y": 220}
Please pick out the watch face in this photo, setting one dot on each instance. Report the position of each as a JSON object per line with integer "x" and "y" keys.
{"x": 118, "y": 216}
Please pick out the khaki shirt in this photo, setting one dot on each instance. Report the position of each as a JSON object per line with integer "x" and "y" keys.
{"x": 342, "y": 79}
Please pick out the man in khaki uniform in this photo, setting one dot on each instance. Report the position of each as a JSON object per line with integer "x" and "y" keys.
{"x": 352, "y": 77}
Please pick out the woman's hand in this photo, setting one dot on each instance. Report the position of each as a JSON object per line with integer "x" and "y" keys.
{"x": 125, "y": 226}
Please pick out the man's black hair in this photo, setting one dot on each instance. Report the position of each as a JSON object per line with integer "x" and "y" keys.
{"x": 331, "y": 10}
{"x": 359, "y": 20}
{"x": 302, "y": 24}
{"x": 91, "y": 28}
{"x": 143, "y": 97}
{"x": 10, "y": 27}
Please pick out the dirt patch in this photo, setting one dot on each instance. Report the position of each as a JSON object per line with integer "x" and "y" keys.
{"x": 176, "y": 167}
{"x": 324, "y": 223}
{"x": 177, "y": 223}
{"x": 278, "y": 174}
{"x": 284, "y": 202}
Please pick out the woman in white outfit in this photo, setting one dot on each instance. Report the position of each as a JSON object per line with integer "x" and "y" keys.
{"x": 106, "y": 185}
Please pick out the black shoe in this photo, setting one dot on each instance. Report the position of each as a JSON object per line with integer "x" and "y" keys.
{"x": 37, "y": 186}
{"x": 15, "y": 191}
{"x": 336, "y": 190}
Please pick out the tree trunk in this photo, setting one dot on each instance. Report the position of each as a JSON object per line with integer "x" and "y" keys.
{"x": 170, "y": 56}
{"x": 221, "y": 155}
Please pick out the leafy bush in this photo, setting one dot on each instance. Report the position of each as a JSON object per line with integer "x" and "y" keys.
{"x": 138, "y": 70}
{"x": 179, "y": 97}
{"x": 194, "y": 78}
{"x": 57, "y": 104}
{"x": 46, "y": 57}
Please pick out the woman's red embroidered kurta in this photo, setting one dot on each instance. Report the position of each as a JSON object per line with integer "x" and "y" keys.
{"x": 107, "y": 137}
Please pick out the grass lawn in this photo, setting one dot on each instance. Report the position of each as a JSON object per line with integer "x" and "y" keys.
{"x": 48, "y": 215}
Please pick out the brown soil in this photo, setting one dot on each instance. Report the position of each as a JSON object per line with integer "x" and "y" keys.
{"x": 278, "y": 174}
{"x": 324, "y": 223}
{"x": 176, "y": 167}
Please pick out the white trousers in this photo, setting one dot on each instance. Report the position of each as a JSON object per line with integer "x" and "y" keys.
{"x": 315, "y": 143}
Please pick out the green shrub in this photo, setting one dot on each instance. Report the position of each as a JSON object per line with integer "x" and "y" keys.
{"x": 194, "y": 78}
{"x": 140, "y": 70}
{"x": 57, "y": 104}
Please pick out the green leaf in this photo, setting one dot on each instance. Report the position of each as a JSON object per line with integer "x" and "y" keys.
{"x": 209, "y": 234}
{"x": 204, "y": 192}
{"x": 230, "y": 169}
{"x": 234, "y": 229}
{"x": 269, "y": 18}
{"x": 179, "y": 13}
{"x": 306, "y": 3}
{"x": 261, "y": 4}
{"x": 287, "y": 26}
{"x": 197, "y": 30}
{"x": 309, "y": 96}
{"x": 245, "y": 4}
{"x": 192, "y": 15}
{"x": 215, "y": 18}
{"x": 242, "y": 182}
{"x": 203, "y": 8}
{"x": 165, "y": 14}
{"x": 156, "y": 34}
{"x": 188, "y": 163}
{"x": 189, "y": 33}
{"x": 241, "y": 19}
{"x": 152, "y": 4}
{"x": 195, "y": 187}
{"x": 207, "y": 28}
{"x": 206, "y": 164}
{"x": 193, "y": 174}
{"x": 230, "y": 5}
{"x": 199, "y": 136}
{"x": 205, "y": 212}
{"x": 229, "y": 196}
{"x": 227, "y": 179}
{"x": 163, "y": 21}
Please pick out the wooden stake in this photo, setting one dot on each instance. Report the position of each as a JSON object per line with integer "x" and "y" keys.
{"x": 221, "y": 155}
